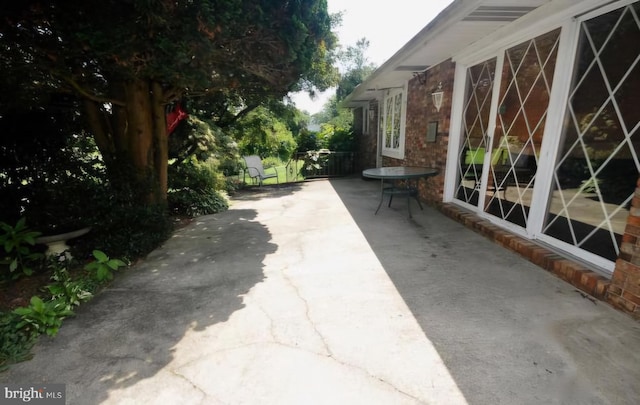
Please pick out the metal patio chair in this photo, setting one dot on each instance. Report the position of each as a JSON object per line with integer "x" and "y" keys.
{"x": 255, "y": 170}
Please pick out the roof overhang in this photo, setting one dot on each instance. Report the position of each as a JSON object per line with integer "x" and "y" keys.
{"x": 456, "y": 28}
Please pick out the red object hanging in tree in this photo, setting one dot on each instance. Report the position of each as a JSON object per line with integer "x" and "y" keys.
{"x": 174, "y": 116}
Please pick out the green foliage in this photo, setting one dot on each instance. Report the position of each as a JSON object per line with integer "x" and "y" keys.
{"x": 307, "y": 140}
{"x": 18, "y": 255}
{"x": 200, "y": 139}
{"x": 42, "y": 316}
{"x": 262, "y": 133}
{"x": 102, "y": 267}
{"x": 342, "y": 140}
{"x": 127, "y": 59}
{"x": 333, "y": 115}
{"x": 313, "y": 161}
{"x": 195, "y": 203}
{"x": 356, "y": 66}
{"x": 45, "y": 163}
{"x": 64, "y": 289}
{"x": 272, "y": 161}
{"x": 195, "y": 189}
{"x": 15, "y": 342}
{"x": 337, "y": 137}
{"x": 127, "y": 231}
{"x": 20, "y": 328}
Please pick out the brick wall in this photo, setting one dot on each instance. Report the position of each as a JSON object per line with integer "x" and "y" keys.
{"x": 420, "y": 112}
{"x": 367, "y": 146}
{"x": 624, "y": 291}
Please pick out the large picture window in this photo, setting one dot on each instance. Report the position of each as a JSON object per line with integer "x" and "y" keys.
{"x": 393, "y": 124}
{"x": 598, "y": 166}
{"x": 564, "y": 175}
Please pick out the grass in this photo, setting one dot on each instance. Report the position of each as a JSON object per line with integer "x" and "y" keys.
{"x": 282, "y": 176}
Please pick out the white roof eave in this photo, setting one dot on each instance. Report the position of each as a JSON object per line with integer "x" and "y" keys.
{"x": 447, "y": 34}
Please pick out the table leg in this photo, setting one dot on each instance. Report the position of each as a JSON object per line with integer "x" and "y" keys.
{"x": 381, "y": 196}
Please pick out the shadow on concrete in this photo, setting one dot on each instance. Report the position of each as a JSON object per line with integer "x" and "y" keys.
{"x": 255, "y": 193}
{"x": 130, "y": 331}
{"x": 508, "y": 331}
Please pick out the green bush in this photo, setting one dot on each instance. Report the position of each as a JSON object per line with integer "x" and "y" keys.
{"x": 307, "y": 140}
{"x": 127, "y": 231}
{"x": 15, "y": 342}
{"x": 102, "y": 268}
{"x": 15, "y": 241}
{"x": 194, "y": 189}
{"x": 193, "y": 203}
{"x": 272, "y": 161}
{"x": 42, "y": 316}
{"x": 342, "y": 140}
{"x": 65, "y": 289}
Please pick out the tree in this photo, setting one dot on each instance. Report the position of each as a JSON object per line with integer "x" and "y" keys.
{"x": 357, "y": 68}
{"x": 127, "y": 60}
{"x": 262, "y": 133}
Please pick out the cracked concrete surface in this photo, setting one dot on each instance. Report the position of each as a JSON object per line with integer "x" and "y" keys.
{"x": 300, "y": 295}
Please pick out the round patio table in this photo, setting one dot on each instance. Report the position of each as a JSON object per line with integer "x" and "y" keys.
{"x": 395, "y": 174}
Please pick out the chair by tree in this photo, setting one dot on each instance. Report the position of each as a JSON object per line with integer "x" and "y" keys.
{"x": 255, "y": 170}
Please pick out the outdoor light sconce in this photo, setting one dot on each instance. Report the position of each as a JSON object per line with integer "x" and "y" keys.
{"x": 421, "y": 76}
{"x": 437, "y": 97}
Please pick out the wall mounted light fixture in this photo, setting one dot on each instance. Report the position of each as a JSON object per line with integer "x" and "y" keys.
{"x": 437, "y": 97}
{"x": 421, "y": 76}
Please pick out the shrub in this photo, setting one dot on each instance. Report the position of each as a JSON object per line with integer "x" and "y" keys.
{"x": 272, "y": 161}
{"x": 128, "y": 231}
{"x": 65, "y": 289}
{"x": 342, "y": 140}
{"x": 194, "y": 189}
{"x": 102, "y": 267}
{"x": 42, "y": 316}
{"x": 15, "y": 342}
{"x": 15, "y": 241}
{"x": 307, "y": 140}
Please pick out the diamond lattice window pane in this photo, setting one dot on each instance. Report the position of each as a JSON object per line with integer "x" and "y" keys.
{"x": 524, "y": 98}
{"x": 598, "y": 167}
{"x": 477, "y": 107}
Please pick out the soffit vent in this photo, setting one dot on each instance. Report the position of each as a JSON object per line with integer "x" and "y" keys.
{"x": 497, "y": 13}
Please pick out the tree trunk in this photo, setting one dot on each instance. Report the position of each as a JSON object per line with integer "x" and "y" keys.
{"x": 161, "y": 140}
{"x": 134, "y": 137}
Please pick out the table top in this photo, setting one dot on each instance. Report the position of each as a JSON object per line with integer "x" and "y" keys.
{"x": 399, "y": 172}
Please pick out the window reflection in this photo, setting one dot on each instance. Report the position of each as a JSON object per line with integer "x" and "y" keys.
{"x": 597, "y": 169}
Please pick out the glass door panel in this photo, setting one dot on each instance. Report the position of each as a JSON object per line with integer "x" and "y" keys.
{"x": 527, "y": 77}
{"x": 476, "y": 114}
{"x": 597, "y": 169}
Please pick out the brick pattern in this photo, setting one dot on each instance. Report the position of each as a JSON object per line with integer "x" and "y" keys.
{"x": 572, "y": 272}
{"x": 420, "y": 112}
{"x": 367, "y": 146}
{"x": 624, "y": 292}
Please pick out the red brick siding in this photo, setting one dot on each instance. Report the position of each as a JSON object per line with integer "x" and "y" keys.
{"x": 367, "y": 145}
{"x": 420, "y": 112}
{"x": 624, "y": 292}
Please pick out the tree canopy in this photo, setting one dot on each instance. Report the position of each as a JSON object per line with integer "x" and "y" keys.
{"x": 356, "y": 68}
{"x": 125, "y": 61}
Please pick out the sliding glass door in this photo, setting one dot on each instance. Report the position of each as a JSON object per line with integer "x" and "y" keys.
{"x": 525, "y": 90}
{"x": 591, "y": 161}
{"x": 597, "y": 169}
{"x": 475, "y": 127}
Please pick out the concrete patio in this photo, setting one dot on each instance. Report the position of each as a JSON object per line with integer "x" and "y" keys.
{"x": 300, "y": 295}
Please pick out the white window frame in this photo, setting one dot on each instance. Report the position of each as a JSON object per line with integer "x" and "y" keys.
{"x": 396, "y": 153}
{"x": 569, "y": 21}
